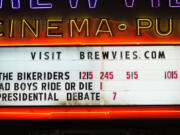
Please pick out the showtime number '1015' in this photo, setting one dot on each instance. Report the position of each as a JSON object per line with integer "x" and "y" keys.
{"x": 171, "y": 75}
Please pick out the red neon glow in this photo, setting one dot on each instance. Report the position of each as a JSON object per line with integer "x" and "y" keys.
{"x": 90, "y": 112}
{"x": 127, "y": 37}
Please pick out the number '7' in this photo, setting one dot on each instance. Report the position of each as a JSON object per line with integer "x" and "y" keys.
{"x": 114, "y": 97}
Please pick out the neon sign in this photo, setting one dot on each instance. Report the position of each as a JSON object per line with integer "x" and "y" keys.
{"x": 74, "y": 3}
{"x": 36, "y": 4}
{"x": 89, "y": 22}
{"x": 98, "y": 56}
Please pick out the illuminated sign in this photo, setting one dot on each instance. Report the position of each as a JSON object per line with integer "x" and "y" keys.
{"x": 75, "y": 22}
{"x": 63, "y": 76}
{"x": 89, "y": 53}
{"x": 35, "y": 4}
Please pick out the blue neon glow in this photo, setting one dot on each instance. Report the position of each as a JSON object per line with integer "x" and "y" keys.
{"x": 14, "y": 3}
{"x": 35, "y": 4}
{"x": 155, "y": 3}
{"x": 129, "y": 3}
{"x": 174, "y": 3}
{"x": 74, "y": 3}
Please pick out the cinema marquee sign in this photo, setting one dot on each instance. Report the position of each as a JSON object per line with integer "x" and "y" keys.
{"x": 57, "y": 28}
{"x": 76, "y": 53}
